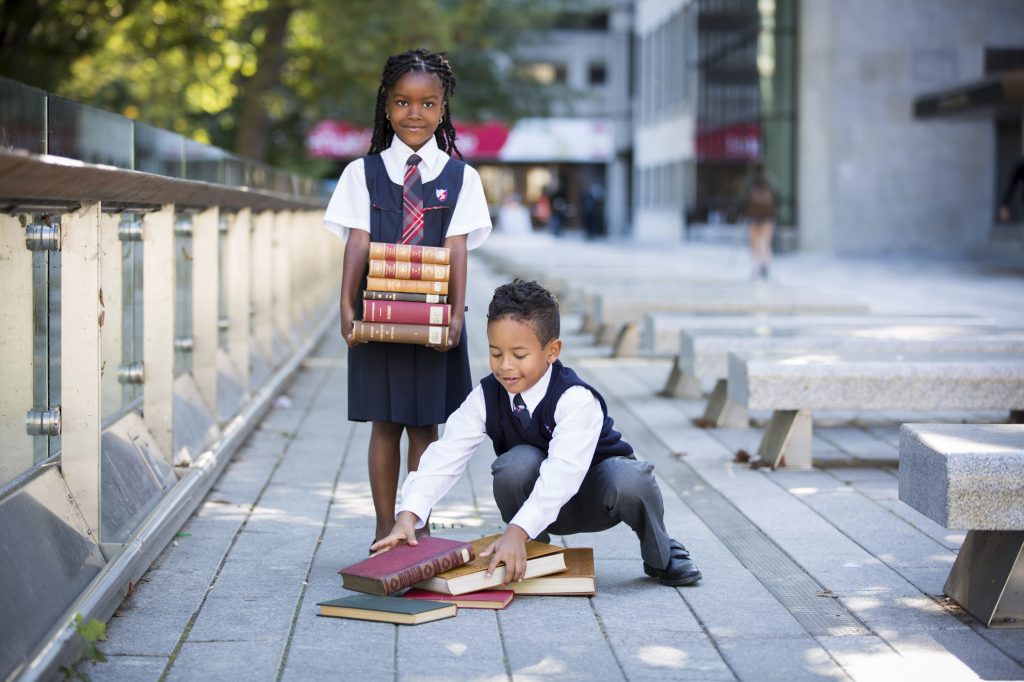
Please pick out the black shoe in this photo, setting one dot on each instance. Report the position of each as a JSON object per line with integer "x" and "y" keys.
{"x": 679, "y": 572}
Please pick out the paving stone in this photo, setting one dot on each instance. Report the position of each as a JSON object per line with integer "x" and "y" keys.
{"x": 266, "y": 618}
{"x": 228, "y": 661}
{"x": 120, "y": 668}
{"x": 665, "y": 655}
{"x": 468, "y": 646}
{"x": 767, "y": 658}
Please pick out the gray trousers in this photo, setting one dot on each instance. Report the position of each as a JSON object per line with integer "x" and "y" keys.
{"x": 615, "y": 490}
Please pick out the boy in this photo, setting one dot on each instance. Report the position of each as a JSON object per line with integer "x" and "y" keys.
{"x": 562, "y": 470}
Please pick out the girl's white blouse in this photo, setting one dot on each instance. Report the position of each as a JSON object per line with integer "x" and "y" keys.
{"x": 349, "y": 206}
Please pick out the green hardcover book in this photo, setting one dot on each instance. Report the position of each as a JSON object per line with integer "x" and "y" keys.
{"x": 387, "y": 609}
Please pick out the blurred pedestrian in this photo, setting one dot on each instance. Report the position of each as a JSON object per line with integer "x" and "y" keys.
{"x": 1016, "y": 177}
{"x": 513, "y": 216}
{"x": 409, "y": 189}
{"x": 559, "y": 210}
{"x": 759, "y": 203}
{"x": 542, "y": 209}
{"x": 593, "y": 210}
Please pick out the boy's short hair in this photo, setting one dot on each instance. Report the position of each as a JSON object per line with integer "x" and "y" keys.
{"x": 527, "y": 302}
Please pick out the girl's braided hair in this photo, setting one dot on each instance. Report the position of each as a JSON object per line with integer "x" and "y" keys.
{"x": 423, "y": 61}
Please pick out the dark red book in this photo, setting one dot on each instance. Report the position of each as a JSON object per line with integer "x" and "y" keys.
{"x": 406, "y": 565}
{"x": 405, "y": 312}
{"x": 484, "y": 599}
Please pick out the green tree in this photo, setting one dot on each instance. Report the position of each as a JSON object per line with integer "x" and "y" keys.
{"x": 255, "y": 75}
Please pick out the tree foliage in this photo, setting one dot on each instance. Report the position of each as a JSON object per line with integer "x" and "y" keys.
{"x": 254, "y": 75}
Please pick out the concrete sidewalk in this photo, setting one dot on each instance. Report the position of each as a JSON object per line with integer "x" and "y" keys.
{"x": 808, "y": 575}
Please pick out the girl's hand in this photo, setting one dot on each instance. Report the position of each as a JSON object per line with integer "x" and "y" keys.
{"x": 347, "y": 318}
{"x": 454, "y": 334}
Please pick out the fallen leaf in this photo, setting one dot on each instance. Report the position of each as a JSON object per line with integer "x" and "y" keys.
{"x": 827, "y": 593}
{"x": 741, "y": 456}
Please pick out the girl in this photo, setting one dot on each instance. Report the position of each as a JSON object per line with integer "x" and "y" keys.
{"x": 399, "y": 387}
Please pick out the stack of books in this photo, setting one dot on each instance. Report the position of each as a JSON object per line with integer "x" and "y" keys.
{"x": 411, "y": 585}
{"x": 406, "y": 296}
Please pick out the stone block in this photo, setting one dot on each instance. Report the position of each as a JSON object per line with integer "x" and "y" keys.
{"x": 964, "y": 476}
{"x": 832, "y": 381}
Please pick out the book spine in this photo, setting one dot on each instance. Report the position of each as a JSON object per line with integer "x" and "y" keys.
{"x": 425, "y": 570}
{"x": 409, "y": 253}
{"x": 411, "y": 286}
{"x": 386, "y": 332}
{"x": 406, "y": 313}
{"x": 402, "y": 270}
{"x": 403, "y": 296}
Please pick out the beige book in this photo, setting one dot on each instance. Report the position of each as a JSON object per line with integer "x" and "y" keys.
{"x": 541, "y": 559}
{"x": 576, "y": 579}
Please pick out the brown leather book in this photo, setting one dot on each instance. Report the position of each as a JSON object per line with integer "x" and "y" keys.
{"x": 576, "y": 579}
{"x": 402, "y": 270}
{"x": 422, "y": 334}
{"x": 412, "y": 286}
{"x": 409, "y": 253}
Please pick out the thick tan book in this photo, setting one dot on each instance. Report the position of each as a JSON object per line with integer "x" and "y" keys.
{"x": 541, "y": 559}
{"x": 576, "y": 579}
{"x": 409, "y": 253}
{"x": 412, "y": 286}
{"x": 403, "y": 270}
{"x": 422, "y": 334}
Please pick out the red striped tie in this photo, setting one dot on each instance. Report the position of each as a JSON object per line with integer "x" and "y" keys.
{"x": 412, "y": 203}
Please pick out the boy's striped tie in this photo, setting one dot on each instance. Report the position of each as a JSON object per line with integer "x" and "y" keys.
{"x": 412, "y": 203}
{"x": 520, "y": 411}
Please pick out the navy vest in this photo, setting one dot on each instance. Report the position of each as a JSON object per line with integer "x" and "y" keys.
{"x": 506, "y": 432}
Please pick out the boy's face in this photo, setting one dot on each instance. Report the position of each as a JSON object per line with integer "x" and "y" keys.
{"x": 415, "y": 106}
{"x": 518, "y": 360}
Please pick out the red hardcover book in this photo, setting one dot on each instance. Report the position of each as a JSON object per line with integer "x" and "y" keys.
{"x": 406, "y": 312}
{"x": 484, "y": 599}
{"x": 406, "y": 565}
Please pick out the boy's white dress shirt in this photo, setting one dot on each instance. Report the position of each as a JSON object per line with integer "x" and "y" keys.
{"x": 578, "y": 422}
{"x": 350, "y": 204}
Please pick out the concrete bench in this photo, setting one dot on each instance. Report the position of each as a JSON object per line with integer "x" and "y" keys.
{"x": 971, "y": 477}
{"x": 704, "y": 353}
{"x": 792, "y": 386}
{"x": 659, "y": 334}
{"x": 617, "y": 316}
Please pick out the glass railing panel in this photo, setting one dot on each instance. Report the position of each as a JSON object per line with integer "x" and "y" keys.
{"x": 159, "y": 151}
{"x": 88, "y": 134}
{"x": 203, "y": 162}
{"x": 131, "y": 369}
{"x": 22, "y": 117}
{"x": 183, "y": 294}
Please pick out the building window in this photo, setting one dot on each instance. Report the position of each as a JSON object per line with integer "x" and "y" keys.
{"x": 545, "y": 73}
{"x": 597, "y": 74}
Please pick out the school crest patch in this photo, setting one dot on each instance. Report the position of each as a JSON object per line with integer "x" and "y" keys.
{"x": 441, "y": 194}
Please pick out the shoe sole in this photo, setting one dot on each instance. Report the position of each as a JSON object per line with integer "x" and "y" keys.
{"x": 681, "y": 582}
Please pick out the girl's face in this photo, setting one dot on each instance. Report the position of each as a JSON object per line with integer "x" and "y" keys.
{"x": 415, "y": 106}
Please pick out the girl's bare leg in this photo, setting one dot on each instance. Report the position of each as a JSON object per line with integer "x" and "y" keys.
{"x": 419, "y": 438}
{"x": 384, "y": 461}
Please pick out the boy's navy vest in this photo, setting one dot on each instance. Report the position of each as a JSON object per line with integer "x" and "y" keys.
{"x": 505, "y": 431}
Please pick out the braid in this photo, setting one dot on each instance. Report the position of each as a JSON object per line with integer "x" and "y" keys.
{"x": 398, "y": 65}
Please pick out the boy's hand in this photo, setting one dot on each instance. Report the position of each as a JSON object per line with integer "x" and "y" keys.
{"x": 509, "y": 549}
{"x": 404, "y": 531}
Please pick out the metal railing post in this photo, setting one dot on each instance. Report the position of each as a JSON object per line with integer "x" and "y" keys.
{"x": 205, "y": 297}
{"x": 16, "y": 375}
{"x": 82, "y": 315}
{"x": 158, "y": 311}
